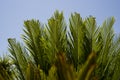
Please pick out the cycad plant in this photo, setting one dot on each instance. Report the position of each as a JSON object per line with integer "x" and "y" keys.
{"x": 54, "y": 51}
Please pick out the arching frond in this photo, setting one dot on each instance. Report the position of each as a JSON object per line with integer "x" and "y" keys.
{"x": 6, "y": 69}
{"x": 57, "y": 32}
{"x": 19, "y": 56}
{"x": 36, "y": 44}
{"x": 76, "y": 39}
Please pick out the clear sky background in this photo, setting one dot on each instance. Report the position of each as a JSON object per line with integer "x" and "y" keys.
{"x": 14, "y": 12}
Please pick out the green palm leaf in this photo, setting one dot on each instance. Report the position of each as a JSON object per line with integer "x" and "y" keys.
{"x": 36, "y": 44}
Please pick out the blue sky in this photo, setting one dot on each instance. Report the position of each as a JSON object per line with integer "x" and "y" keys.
{"x": 14, "y": 12}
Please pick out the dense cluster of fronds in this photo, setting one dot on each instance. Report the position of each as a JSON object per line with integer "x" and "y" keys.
{"x": 80, "y": 51}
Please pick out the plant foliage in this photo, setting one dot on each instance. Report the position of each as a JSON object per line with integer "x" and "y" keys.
{"x": 54, "y": 51}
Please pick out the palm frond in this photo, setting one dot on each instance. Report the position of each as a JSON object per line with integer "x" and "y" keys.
{"x": 6, "y": 69}
{"x": 76, "y": 39}
{"x": 57, "y": 32}
{"x": 19, "y": 56}
{"x": 107, "y": 50}
{"x": 36, "y": 44}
